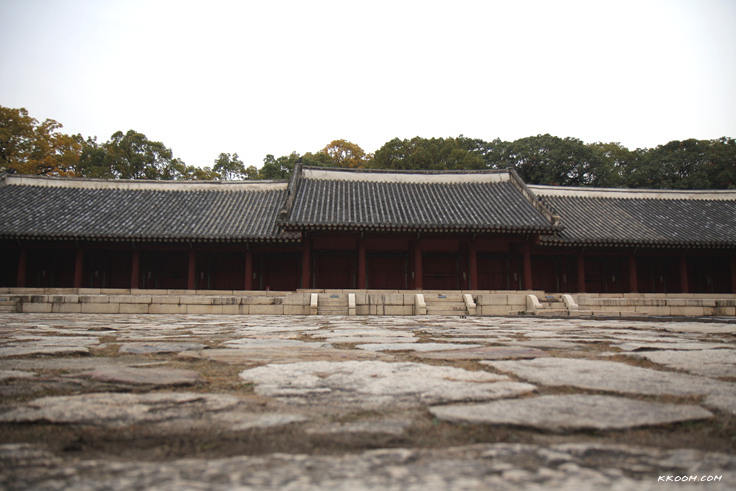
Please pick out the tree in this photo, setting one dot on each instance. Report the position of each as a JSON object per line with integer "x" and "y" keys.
{"x": 431, "y": 154}
{"x": 132, "y": 155}
{"x": 192, "y": 173}
{"x": 546, "y": 159}
{"x": 345, "y": 154}
{"x": 687, "y": 164}
{"x": 30, "y": 147}
{"x": 721, "y": 169}
{"x": 229, "y": 167}
{"x": 280, "y": 168}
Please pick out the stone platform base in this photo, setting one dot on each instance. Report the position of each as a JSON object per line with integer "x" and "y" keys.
{"x": 363, "y": 302}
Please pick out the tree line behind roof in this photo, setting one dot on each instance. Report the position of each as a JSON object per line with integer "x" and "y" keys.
{"x": 28, "y": 146}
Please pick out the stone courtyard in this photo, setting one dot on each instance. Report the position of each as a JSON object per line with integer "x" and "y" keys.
{"x": 93, "y": 401}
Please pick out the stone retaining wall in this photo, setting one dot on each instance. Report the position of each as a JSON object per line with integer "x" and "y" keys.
{"x": 367, "y": 302}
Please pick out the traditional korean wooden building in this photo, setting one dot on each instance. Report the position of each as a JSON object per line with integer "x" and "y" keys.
{"x": 358, "y": 229}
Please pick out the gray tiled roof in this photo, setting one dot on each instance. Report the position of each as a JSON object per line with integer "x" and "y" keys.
{"x": 421, "y": 201}
{"x": 642, "y": 217}
{"x": 135, "y": 210}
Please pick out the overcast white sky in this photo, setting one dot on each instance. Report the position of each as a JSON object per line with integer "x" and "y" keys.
{"x": 260, "y": 77}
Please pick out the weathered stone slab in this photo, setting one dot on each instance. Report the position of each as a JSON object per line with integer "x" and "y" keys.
{"x": 388, "y": 427}
{"x": 73, "y": 364}
{"x": 289, "y": 354}
{"x": 571, "y": 412}
{"x": 144, "y": 376}
{"x": 485, "y": 353}
{"x": 415, "y": 346}
{"x": 33, "y": 349}
{"x": 273, "y": 343}
{"x": 115, "y": 409}
{"x": 673, "y": 345}
{"x": 500, "y": 466}
{"x": 15, "y": 374}
{"x": 711, "y": 363}
{"x": 238, "y": 421}
{"x": 151, "y": 348}
{"x": 380, "y": 383}
{"x": 371, "y": 340}
{"x": 603, "y": 375}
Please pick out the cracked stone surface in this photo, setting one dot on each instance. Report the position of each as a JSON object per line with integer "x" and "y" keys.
{"x": 485, "y": 353}
{"x": 557, "y": 413}
{"x": 144, "y": 376}
{"x": 562, "y": 466}
{"x": 377, "y": 383}
{"x": 143, "y": 348}
{"x": 400, "y": 403}
{"x": 118, "y": 409}
{"x": 414, "y": 346}
{"x": 606, "y": 375}
{"x": 711, "y": 363}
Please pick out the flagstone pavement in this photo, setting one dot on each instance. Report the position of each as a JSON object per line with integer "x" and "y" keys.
{"x": 314, "y": 402}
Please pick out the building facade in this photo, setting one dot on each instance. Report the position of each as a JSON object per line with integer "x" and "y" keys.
{"x": 357, "y": 229}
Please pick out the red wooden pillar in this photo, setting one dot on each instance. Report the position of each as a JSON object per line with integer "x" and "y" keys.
{"x": 78, "y": 268}
{"x": 473, "y": 251}
{"x": 527, "y": 260}
{"x": 192, "y": 270}
{"x": 581, "y": 273}
{"x": 418, "y": 273}
{"x": 306, "y": 263}
{"x": 684, "y": 287}
{"x": 135, "y": 269}
{"x": 633, "y": 280}
{"x": 20, "y": 280}
{"x": 248, "y": 269}
{"x": 362, "y": 279}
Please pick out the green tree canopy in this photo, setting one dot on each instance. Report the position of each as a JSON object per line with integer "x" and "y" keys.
{"x": 431, "y": 154}
{"x": 30, "y": 147}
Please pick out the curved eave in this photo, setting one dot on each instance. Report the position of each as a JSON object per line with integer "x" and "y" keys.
{"x": 654, "y": 244}
{"x": 141, "y": 238}
{"x": 422, "y": 228}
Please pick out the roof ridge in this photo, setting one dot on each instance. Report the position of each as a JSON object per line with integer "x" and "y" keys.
{"x": 632, "y": 193}
{"x": 140, "y": 184}
{"x": 405, "y": 171}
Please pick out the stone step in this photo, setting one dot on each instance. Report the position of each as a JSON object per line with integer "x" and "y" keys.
{"x": 446, "y": 307}
{"x": 8, "y": 308}
{"x": 553, "y": 305}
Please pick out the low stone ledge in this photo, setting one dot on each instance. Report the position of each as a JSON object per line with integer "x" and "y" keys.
{"x": 66, "y": 308}
{"x": 398, "y": 310}
{"x": 691, "y": 302}
{"x": 134, "y": 308}
{"x": 36, "y": 308}
{"x": 94, "y": 299}
{"x": 195, "y": 300}
{"x": 130, "y": 299}
{"x": 204, "y": 309}
{"x": 168, "y": 299}
{"x": 258, "y": 300}
{"x": 266, "y": 309}
{"x": 167, "y": 308}
{"x": 298, "y": 299}
{"x": 231, "y": 300}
